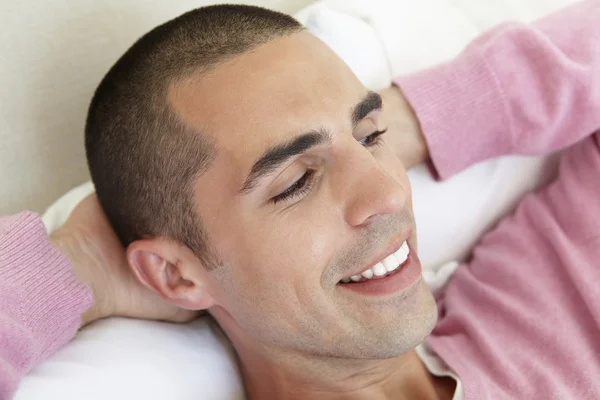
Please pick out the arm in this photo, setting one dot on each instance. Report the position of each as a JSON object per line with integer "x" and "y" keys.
{"x": 41, "y": 300}
{"x": 518, "y": 89}
{"x": 50, "y": 287}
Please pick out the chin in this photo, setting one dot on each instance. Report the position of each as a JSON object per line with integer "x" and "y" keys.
{"x": 410, "y": 330}
{"x": 399, "y": 334}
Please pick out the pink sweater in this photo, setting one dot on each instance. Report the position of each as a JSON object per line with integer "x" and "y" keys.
{"x": 522, "y": 319}
{"x": 41, "y": 301}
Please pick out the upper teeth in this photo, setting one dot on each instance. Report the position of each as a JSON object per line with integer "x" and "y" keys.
{"x": 388, "y": 264}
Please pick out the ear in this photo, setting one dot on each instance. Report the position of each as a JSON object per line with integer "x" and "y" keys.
{"x": 166, "y": 268}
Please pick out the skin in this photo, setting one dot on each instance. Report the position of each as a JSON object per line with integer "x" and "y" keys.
{"x": 297, "y": 332}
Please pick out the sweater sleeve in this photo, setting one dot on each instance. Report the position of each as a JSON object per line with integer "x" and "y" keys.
{"x": 41, "y": 301}
{"x": 517, "y": 89}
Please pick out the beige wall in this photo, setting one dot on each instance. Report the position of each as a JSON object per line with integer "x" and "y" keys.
{"x": 54, "y": 54}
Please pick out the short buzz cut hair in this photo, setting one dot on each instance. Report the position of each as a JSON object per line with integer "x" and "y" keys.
{"x": 142, "y": 157}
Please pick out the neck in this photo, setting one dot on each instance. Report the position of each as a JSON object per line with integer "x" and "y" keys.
{"x": 275, "y": 373}
{"x": 403, "y": 377}
{"x": 271, "y": 373}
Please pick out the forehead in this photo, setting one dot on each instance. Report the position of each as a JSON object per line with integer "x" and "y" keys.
{"x": 280, "y": 89}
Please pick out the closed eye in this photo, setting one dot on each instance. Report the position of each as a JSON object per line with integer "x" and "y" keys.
{"x": 298, "y": 189}
{"x": 303, "y": 185}
{"x": 373, "y": 139}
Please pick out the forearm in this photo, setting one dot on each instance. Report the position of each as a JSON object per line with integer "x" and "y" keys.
{"x": 41, "y": 300}
{"x": 518, "y": 89}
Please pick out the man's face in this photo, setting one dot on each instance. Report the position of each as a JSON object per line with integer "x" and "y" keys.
{"x": 302, "y": 194}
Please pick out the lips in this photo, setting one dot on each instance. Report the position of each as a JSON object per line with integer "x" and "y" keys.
{"x": 393, "y": 283}
{"x": 383, "y": 268}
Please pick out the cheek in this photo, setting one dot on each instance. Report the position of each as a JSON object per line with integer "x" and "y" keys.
{"x": 273, "y": 285}
{"x": 285, "y": 253}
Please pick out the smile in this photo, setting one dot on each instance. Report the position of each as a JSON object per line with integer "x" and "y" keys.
{"x": 383, "y": 268}
{"x": 392, "y": 275}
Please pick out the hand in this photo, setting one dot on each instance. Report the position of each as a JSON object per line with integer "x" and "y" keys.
{"x": 406, "y": 137}
{"x": 99, "y": 262}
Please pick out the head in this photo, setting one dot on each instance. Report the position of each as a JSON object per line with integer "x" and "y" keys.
{"x": 242, "y": 163}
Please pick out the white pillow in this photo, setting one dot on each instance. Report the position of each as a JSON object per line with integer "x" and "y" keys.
{"x": 125, "y": 359}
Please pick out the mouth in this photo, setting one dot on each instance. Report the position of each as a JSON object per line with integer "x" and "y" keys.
{"x": 395, "y": 272}
{"x": 384, "y": 268}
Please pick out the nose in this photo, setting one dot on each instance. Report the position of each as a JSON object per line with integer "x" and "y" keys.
{"x": 372, "y": 191}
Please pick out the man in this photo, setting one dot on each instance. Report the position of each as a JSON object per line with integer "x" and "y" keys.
{"x": 251, "y": 175}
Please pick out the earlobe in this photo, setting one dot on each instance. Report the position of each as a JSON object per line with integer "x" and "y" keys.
{"x": 155, "y": 265}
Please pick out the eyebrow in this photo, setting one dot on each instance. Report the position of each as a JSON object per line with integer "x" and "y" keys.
{"x": 371, "y": 102}
{"x": 277, "y": 155}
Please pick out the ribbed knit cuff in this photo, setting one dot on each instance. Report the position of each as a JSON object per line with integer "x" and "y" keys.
{"x": 39, "y": 284}
{"x": 461, "y": 111}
